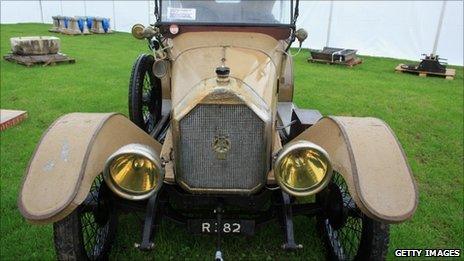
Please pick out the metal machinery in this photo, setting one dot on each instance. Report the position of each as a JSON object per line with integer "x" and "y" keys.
{"x": 431, "y": 64}
{"x": 334, "y": 55}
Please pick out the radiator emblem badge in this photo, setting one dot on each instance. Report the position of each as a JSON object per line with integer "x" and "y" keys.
{"x": 221, "y": 145}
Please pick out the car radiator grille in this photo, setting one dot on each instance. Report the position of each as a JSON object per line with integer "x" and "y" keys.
{"x": 244, "y": 165}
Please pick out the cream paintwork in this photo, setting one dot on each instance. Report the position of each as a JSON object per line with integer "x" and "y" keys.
{"x": 367, "y": 154}
{"x": 232, "y": 92}
{"x": 286, "y": 80}
{"x": 252, "y": 57}
{"x": 71, "y": 153}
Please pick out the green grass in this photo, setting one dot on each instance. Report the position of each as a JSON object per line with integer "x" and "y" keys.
{"x": 425, "y": 113}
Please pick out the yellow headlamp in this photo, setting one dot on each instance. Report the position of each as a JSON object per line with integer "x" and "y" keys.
{"x": 134, "y": 172}
{"x": 302, "y": 168}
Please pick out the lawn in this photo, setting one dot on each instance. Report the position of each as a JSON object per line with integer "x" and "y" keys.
{"x": 425, "y": 113}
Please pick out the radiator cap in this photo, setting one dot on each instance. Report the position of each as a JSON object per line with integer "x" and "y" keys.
{"x": 222, "y": 73}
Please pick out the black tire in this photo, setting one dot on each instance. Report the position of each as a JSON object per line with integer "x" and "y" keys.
{"x": 145, "y": 98}
{"x": 88, "y": 232}
{"x": 347, "y": 233}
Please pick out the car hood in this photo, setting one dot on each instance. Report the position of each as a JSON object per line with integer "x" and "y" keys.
{"x": 253, "y": 58}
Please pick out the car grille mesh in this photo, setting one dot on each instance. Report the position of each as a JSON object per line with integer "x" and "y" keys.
{"x": 244, "y": 166}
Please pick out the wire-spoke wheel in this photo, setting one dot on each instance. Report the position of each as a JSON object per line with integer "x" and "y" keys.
{"x": 144, "y": 94}
{"x": 347, "y": 232}
{"x": 87, "y": 233}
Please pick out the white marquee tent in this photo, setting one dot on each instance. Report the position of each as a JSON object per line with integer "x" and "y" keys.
{"x": 399, "y": 29}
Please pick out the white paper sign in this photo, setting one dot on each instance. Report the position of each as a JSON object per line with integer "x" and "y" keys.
{"x": 182, "y": 13}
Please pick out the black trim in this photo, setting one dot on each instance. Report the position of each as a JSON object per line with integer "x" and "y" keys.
{"x": 291, "y": 12}
{"x": 156, "y": 12}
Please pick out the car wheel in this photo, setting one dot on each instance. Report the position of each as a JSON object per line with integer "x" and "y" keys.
{"x": 144, "y": 94}
{"x": 347, "y": 232}
{"x": 87, "y": 233}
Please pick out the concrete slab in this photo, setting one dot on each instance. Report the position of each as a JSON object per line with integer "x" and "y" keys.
{"x": 9, "y": 118}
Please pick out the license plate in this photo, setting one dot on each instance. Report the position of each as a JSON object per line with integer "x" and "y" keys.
{"x": 228, "y": 226}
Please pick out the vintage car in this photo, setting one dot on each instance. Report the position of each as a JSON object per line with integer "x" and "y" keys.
{"x": 215, "y": 142}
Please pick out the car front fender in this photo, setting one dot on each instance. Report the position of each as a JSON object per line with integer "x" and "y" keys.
{"x": 366, "y": 152}
{"x": 70, "y": 154}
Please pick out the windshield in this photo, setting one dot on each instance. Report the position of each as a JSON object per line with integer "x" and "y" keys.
{"x": 227, "y": 11}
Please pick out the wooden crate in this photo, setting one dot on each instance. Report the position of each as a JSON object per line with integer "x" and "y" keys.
{"x": 349, "y": 63}
{"x": 29, "y": 60}
{"x": 448, "y": 75}
{"x": 9, "y": 118}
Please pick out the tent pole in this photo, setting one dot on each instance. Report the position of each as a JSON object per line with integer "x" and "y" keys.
{"x": 329, "y": 26}
{"x": 440, "y": 23}
{"x": 85, "y": 8}
{"x": 41, "y": 11}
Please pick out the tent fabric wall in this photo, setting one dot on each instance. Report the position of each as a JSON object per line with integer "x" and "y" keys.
{"x": 398, "y": 29}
